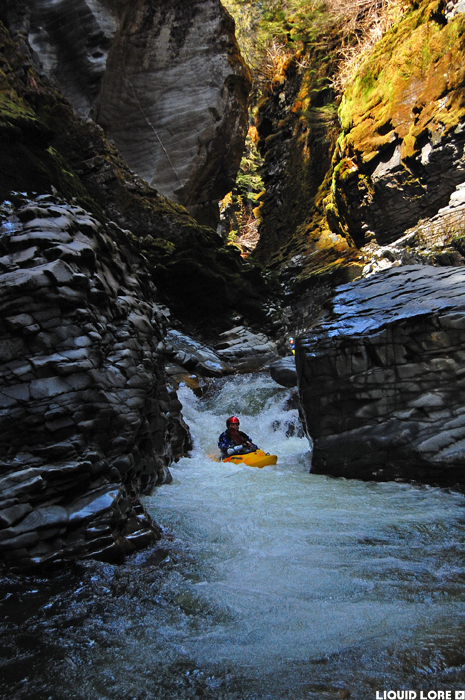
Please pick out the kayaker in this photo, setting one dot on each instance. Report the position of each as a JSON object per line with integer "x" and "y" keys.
{"x": 233, "y": 441}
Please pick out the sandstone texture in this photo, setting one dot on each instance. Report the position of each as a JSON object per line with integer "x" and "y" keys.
{"x": 165, "y": 80}
{"x": 382, "y": 381}
{"x": 86, "y": 420}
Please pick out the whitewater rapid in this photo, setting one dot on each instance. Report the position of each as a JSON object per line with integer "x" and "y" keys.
{"x": 267, "y": 584}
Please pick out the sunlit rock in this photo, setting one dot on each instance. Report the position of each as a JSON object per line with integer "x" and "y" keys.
{"x": 382, "y": 380}
{"x": 402, "y": 155}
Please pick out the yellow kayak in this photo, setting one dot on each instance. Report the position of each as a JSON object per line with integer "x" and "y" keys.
{"x": 253, "y": 459}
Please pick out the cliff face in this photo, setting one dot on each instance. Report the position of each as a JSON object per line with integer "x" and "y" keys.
{"x": 165, "y": 80}
{"x": 298, "y": 126}
{"x": 46, "y": 146}
{"x": 88, "y": 251}
{"x": 87, "y": 423}
{"x": 339, "y": 197}
{"x": 381, "y": 380}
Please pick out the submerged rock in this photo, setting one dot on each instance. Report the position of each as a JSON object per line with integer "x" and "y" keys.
{"x": 87, "y": 422}
{"x": 381, "y": 381}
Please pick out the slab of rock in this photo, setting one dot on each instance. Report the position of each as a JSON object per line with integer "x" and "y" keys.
{"x": 194, "y": 356}
{"x": 165, "y": 80}
{"x": 382, "y": 382}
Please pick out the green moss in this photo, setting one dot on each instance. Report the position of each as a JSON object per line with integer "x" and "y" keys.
{"x": 416, "y": 66}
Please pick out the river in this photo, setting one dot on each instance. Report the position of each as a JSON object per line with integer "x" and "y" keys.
{"x": 268, "y": 584}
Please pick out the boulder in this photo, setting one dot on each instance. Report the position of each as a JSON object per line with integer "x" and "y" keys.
{"x": 284, "y": 372}
{"x": 382, "y": 380}
{"x": 244, "y": 350}
{"x": 191, "y": 355}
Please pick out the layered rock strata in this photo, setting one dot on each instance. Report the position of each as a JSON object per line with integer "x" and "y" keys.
{"x": 382, "y": 381}
{"x": 174, "y": 99}
{"x": 439, "y": 240}
{"x": 87, "y": 423}
{"x": 165, "y": 80}
{"x": 244, "y": 350}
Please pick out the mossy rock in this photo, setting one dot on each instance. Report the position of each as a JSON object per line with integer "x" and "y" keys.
{"x": 412, "y": 81}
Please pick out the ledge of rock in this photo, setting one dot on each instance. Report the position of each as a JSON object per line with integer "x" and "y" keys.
{"x": 382, "y": 382}
{"x": 191, "y": 355}
{"x": 87, "y": 422}
{"x": 244, "y": 350}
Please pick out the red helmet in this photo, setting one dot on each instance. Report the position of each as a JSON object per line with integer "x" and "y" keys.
{"x": 232, "y": 419}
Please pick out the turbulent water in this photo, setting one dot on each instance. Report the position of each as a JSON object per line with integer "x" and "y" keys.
{"x": 269, "y": 583}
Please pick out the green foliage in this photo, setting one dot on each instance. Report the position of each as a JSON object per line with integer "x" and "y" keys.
{"x": 271, "y": 31}
{"x": 249, "y": 183}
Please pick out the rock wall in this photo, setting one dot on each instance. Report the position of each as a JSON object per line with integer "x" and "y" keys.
{"x": 382, "y": 379}
{"x": 87, "y": 423}
{"x": 165, "y": 80}
{"x": 46, "y": 148}
{"x": 401, "y": 154}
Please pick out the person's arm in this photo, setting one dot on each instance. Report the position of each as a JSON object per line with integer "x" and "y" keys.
{"x": 248, "y": 442}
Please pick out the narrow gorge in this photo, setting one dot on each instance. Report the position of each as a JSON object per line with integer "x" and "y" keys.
{"x": 190, "y": 193}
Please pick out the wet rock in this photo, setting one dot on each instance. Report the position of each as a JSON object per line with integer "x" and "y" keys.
{"x": 244, "y": 350}
{"x": 89, "y": 423}
{"x": 381, "y": 381}
{"x": 284, "y": 372}
{"x": 193, "y": 356}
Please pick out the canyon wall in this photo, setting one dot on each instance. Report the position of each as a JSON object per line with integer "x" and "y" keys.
{"x": 401, "y": 154}
{"x": 382, "y": 378}
{"x": 359, "y": 182}
{"x": 90, "y": 255}
{"x": 166, "y": 81}
{"x": 87, "y": 422}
